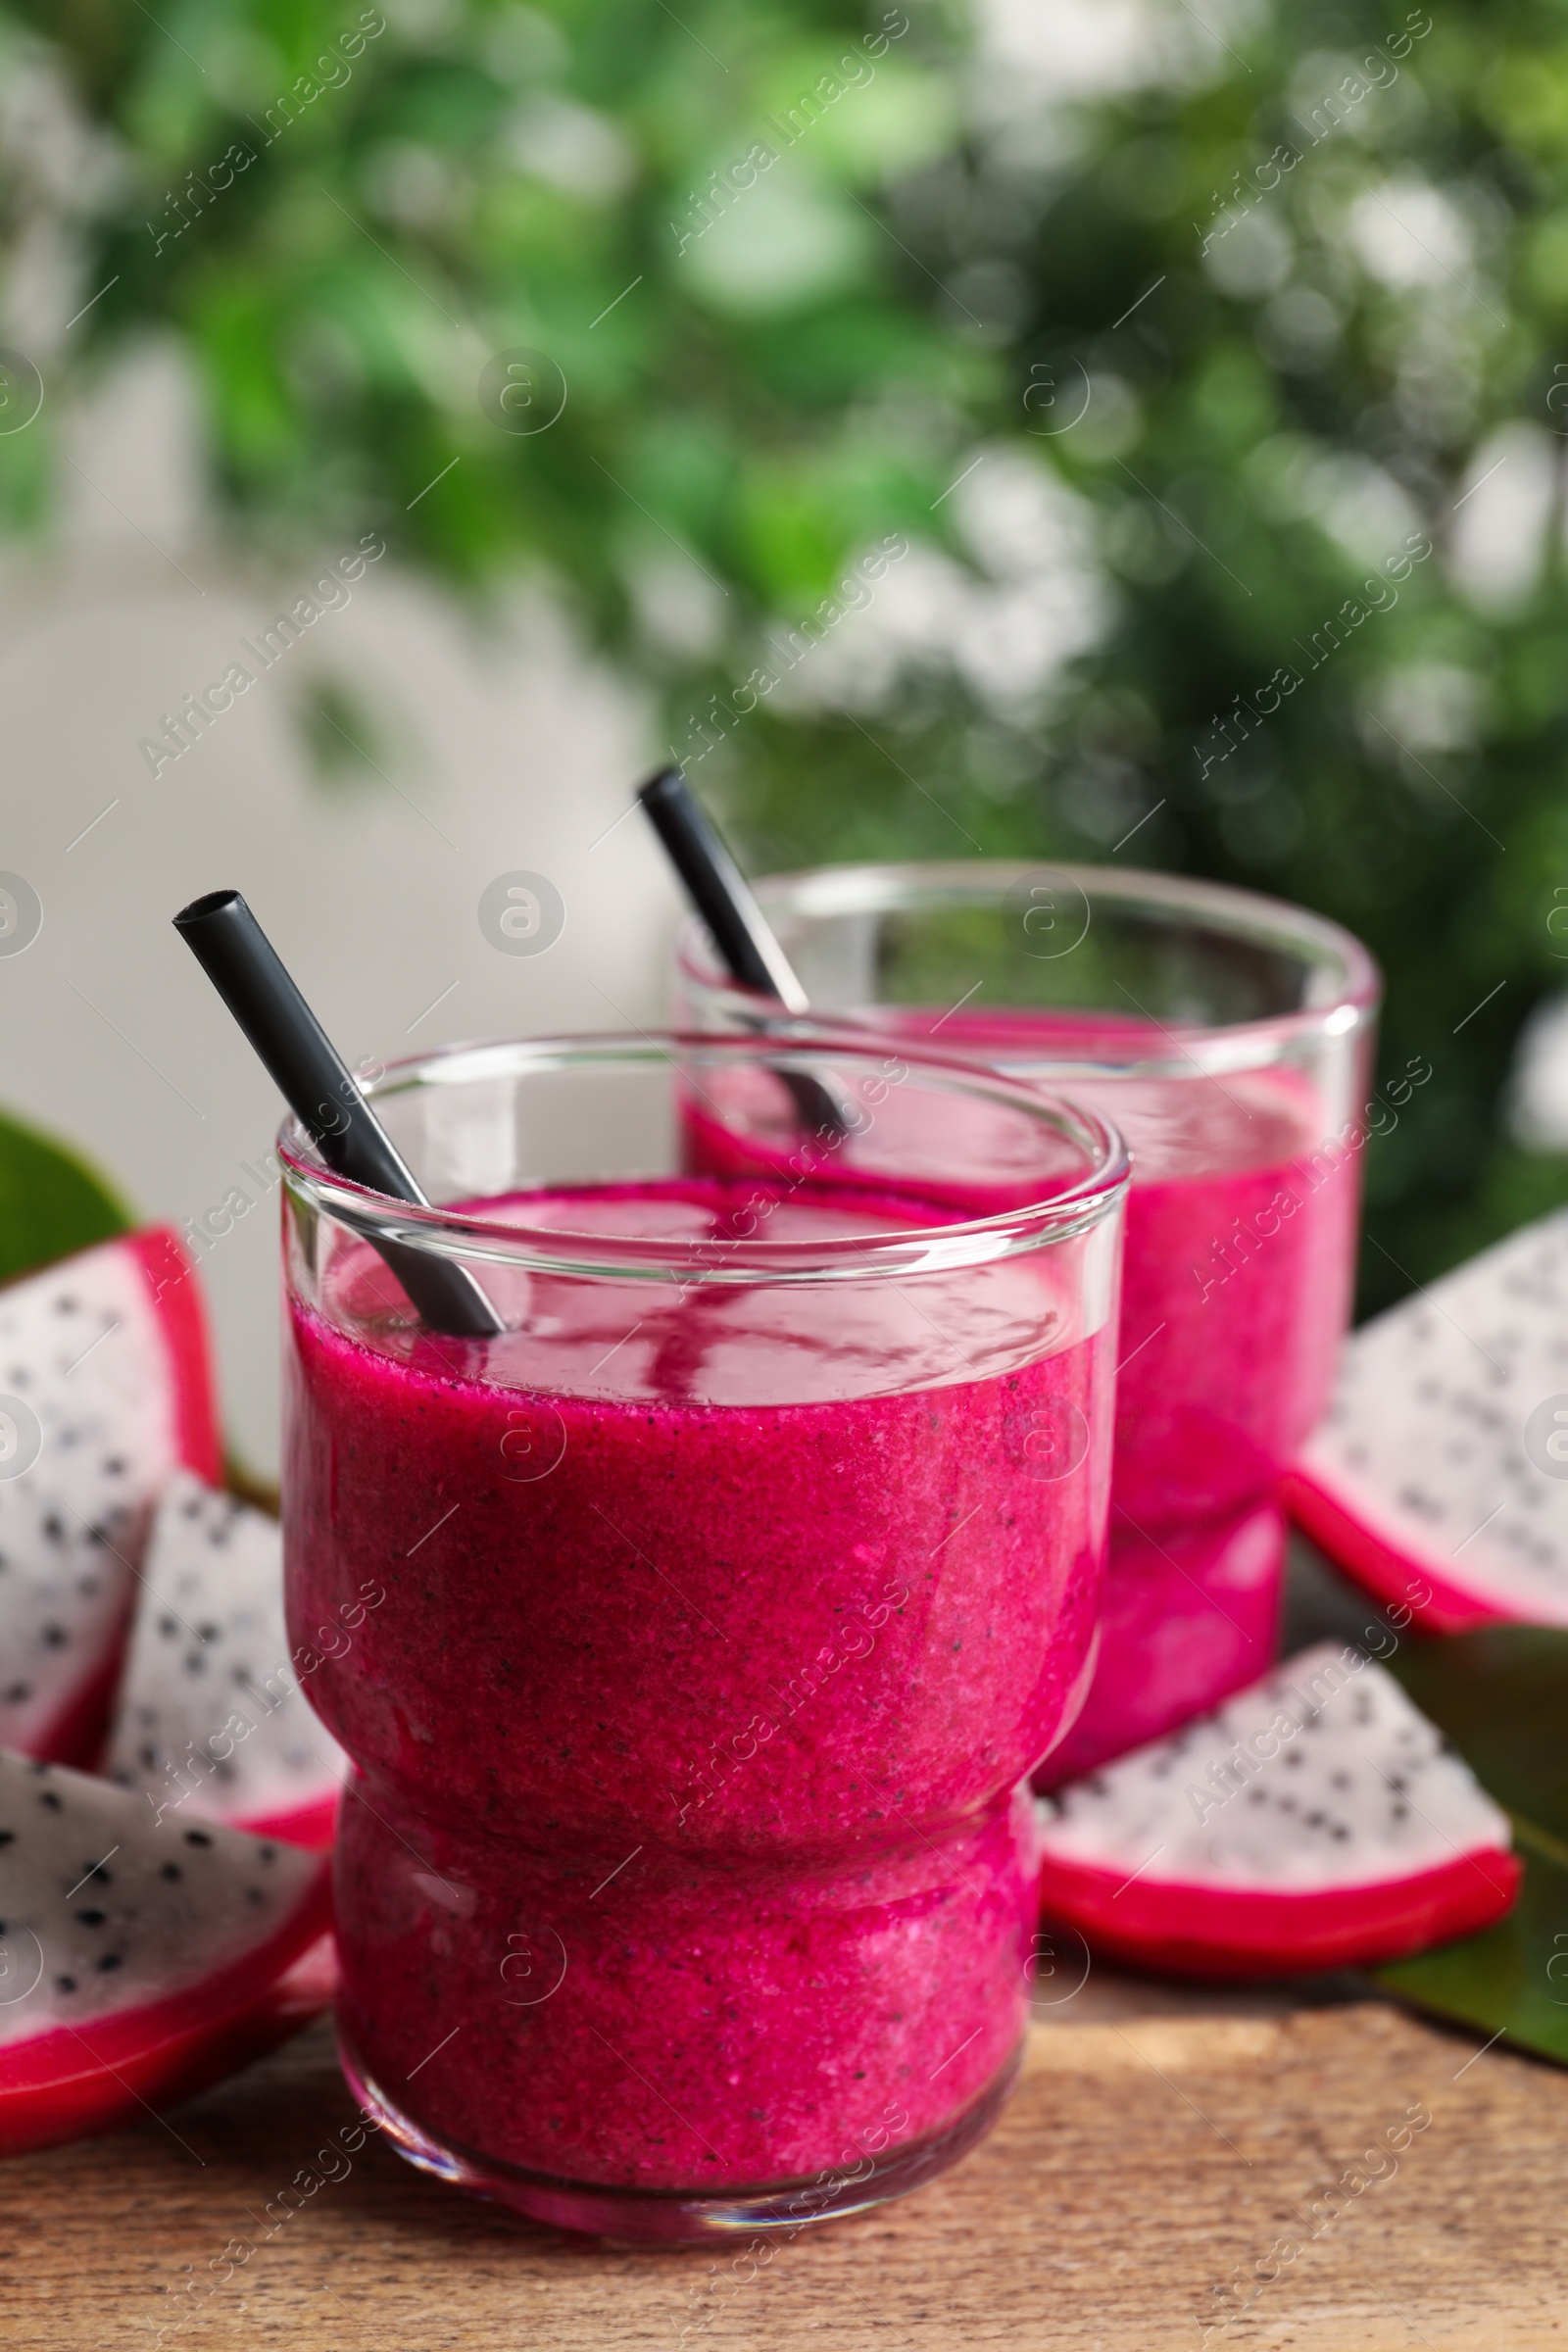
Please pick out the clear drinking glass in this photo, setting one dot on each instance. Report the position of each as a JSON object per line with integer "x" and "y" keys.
{"x": 1228, "y": 1036}
{"x": 692, "y": 1638}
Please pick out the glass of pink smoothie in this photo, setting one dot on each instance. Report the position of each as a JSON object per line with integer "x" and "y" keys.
{"x": 685, "y": 1882}
{"x": 1228, "y": 1036}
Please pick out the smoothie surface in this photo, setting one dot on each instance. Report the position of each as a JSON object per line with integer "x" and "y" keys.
{"x": 712, "y": 1336}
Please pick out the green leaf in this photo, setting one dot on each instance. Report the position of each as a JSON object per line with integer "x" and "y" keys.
{"x": 1511, "y": 1979}
{"x": 1500, "y": 1696}
{"x": 50, "y": 1204}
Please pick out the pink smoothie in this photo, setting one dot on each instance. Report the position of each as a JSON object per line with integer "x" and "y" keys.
{"x": 1187, "y": 1616}
{"x": 719, "y": 1631}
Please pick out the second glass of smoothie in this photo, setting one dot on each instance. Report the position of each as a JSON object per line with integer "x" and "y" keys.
{"x": 1228, "y": 1036}
{"x": 692, "y": 1638}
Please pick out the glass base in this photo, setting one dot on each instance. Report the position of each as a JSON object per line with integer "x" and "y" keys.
{"x": 679, "y": 2216}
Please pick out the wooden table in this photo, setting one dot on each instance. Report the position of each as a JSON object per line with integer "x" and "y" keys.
{"x": 1160, "y": 2145}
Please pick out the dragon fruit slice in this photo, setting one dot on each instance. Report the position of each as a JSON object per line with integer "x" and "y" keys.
{"x": 104, "y": 1389}
{"x": 139, "y": 1961}
{"x": 1434, "y": 1481}
{"x": 1315, "y": 1821}
{"x": 1185, "y": 1619}
{"x": 211, "y": 1719}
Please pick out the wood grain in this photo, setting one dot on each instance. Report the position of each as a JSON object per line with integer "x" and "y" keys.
{"x": 1156, "y": 2148}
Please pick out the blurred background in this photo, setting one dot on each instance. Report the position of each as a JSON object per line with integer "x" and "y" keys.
{"x": 1026, "y": 391}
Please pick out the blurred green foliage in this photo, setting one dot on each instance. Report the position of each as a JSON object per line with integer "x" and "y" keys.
{"x": 1294, "y": 368}
{"x": 346, "y": 240}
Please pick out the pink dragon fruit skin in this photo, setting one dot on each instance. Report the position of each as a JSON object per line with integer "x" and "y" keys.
{"x": 1315, "y": 1821}
{"x": 146, "y": 1959}
{"x": 1186, "y": 1617}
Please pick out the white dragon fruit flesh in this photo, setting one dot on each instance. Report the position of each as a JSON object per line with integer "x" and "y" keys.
{"x": 1439, "y": 1477}
{"x": 105, "y": 1389}
{"x": 139, "y": 1960}
{"x": 1315, "y": 1821}
{"x": 211, "y": 1721}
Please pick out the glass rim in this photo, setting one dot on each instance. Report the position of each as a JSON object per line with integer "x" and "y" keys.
{"x": 1073, "y": 1209}
{"x": 1345, "y": 983}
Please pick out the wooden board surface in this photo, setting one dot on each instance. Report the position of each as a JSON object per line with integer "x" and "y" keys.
{"x": 1157, "y": 2148}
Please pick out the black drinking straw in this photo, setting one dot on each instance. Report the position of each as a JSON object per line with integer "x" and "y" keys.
{"x": 244, "y": 967}
{"x": 744, "y": 937}
{"x": 720, "y": 891}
